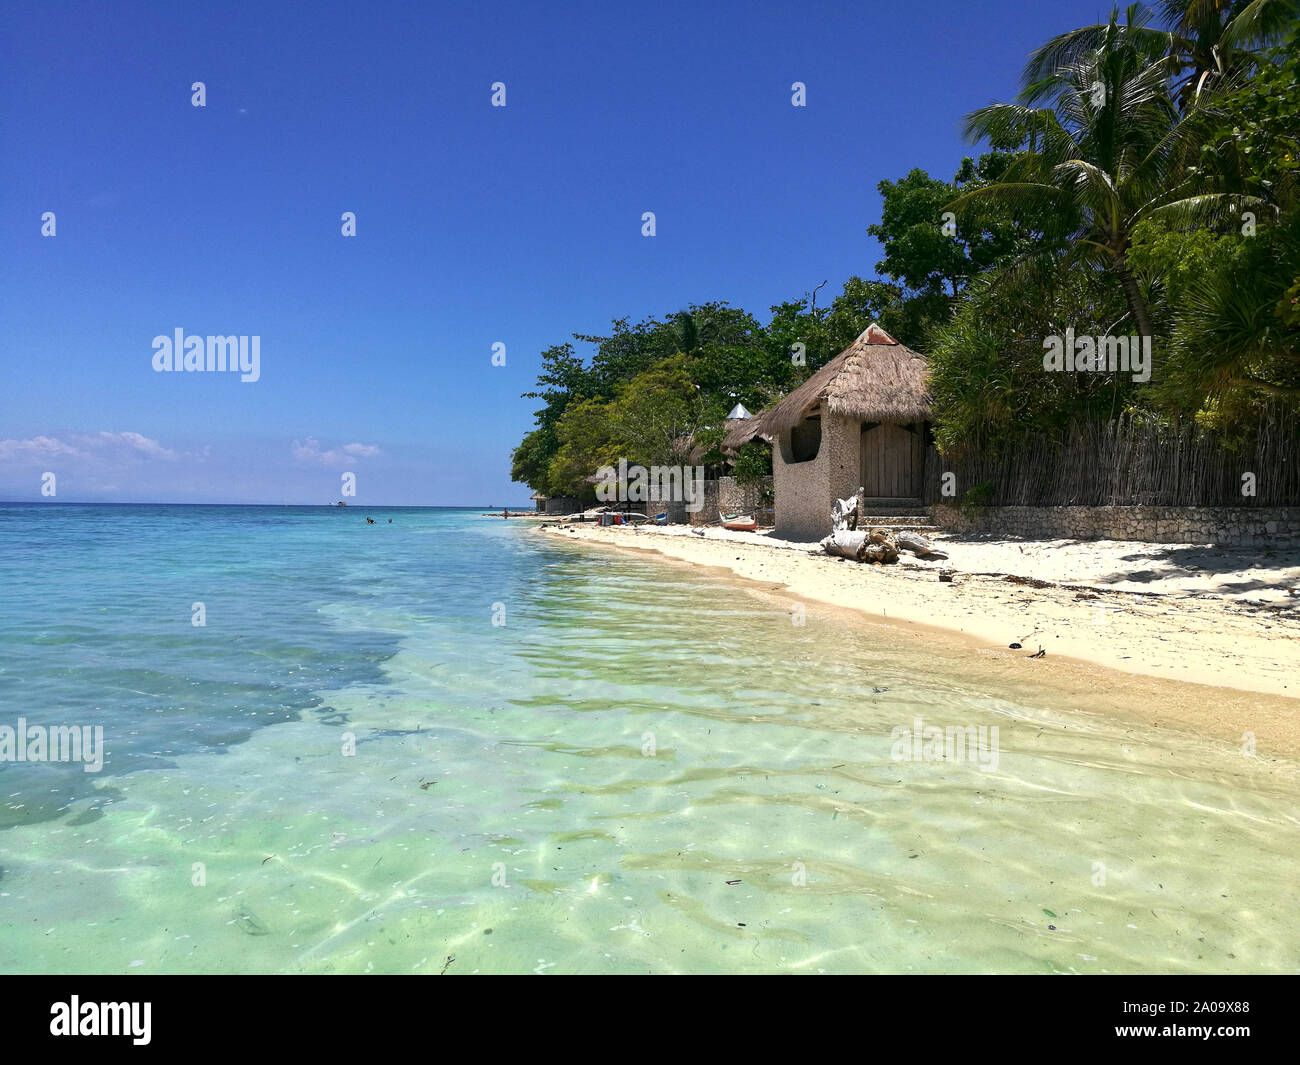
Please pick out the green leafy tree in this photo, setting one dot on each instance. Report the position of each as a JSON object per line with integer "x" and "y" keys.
{"x": 930, "y": 257}
{"x": 1104, "y": 152}
{"x": 1227, "y": 292}
{"x": 986, "y": 364}
{"x": 925, "y": 250}
{"x": 920, "y": 250}
{"x": 657, "y": 413}
{"x": 632, "y": 349}
{"x": 1236, "y": 339}
{"x": 586, "y": 443}
{"x": 753, "y": 462}
{"x": 825, "y": 331}
{"x": 627, "y": 351}
{"x": 530, "y": 461}
{"x": 1249, "y": 137}
{"x": 562, "y": 381}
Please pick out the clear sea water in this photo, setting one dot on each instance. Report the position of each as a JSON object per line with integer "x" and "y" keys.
{"x": 646, "y": 768}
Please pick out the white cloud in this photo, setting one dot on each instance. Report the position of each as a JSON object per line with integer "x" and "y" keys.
{"x": 309, "y": 451}
{"x": 97, "y": 445}
{"x": 38, "y": 447}
{"x": 136, "y": 442}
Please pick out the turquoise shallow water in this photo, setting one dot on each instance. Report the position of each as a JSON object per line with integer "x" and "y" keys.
{"x": 642, "y": 770}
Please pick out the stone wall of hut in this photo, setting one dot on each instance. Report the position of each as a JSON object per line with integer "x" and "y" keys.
{"x": 1228, "y": 526}
{"x": 806, "y": 491}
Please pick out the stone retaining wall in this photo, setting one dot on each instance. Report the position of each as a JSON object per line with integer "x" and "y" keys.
{"x": 720, "y": 494}
{"x": 1153, "y": 524}
{"x": 564, "y": 505}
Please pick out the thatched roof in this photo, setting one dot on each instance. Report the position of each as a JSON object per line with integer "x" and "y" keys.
{"x": 875, "y": 378}
{"x": 740, "y": 432}
{"x": 731, "y": 427}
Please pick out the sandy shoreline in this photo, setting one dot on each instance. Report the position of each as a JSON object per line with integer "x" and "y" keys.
{"x": 1117, "y": 606}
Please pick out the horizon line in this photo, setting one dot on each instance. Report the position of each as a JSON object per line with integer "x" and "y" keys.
{"x": 178, "y": 503}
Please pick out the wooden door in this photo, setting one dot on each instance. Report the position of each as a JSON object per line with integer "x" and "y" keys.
{"x": 892, "y": 458}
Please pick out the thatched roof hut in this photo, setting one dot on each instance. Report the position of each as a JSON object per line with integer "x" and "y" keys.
{"x": 737, "y": 419}
{"x": 739, "y": 433}
{"x": 860, "y": 422}
{"x": 874, "y": 379}
{"x": 732, "y": 428}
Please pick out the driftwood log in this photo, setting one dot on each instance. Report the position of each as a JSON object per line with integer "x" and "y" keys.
{"x": 881, "y": 548}
{"x": 918, "y": 545}
{"x": 846, "y": 543}
{"x": 862, "y": 545}
{"x": 879, "y": 552}
{"x": 844, "y": 514}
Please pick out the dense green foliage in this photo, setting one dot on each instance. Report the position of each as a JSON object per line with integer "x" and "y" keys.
{"x": 1163, "y": 169}
{"x": 1143, "y": 184}
{"x": 655, "y": 390}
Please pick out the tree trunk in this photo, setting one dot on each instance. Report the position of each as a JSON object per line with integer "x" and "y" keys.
{"x": 1133, "y": 294}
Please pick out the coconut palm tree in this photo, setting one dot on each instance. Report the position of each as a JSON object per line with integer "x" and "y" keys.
{"x": 1213, "y": 41}
{"x": 686, "y": 331}
{"x": 1104, "y": 146}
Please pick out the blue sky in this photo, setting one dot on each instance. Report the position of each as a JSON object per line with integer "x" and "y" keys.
{"x": 475, "y": 224}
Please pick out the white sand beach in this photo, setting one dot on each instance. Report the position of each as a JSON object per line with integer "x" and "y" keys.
{"x": 1227, "y": 617}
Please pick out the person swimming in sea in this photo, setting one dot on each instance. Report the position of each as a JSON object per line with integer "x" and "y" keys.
{"x": 370, "y": 521}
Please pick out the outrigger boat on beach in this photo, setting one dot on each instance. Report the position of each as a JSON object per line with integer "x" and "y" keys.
{"x": 738, "y": 522}
{"x": 617, "y": 517}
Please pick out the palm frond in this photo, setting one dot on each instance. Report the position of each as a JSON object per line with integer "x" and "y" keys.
{"x": 1193, "y": 212}
{"x": 1258, "y": 24}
